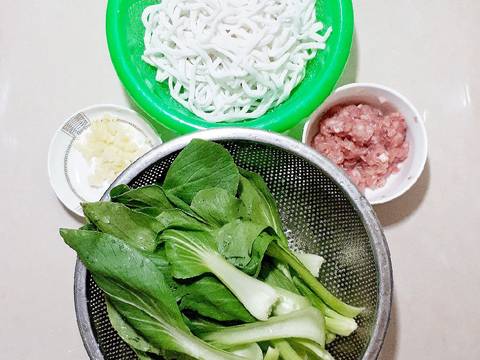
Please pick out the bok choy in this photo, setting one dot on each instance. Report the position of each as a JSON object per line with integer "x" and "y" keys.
{"x": 199, "y": 267}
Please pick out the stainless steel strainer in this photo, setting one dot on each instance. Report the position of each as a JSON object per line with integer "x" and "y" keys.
{"x": 322, "y": 212}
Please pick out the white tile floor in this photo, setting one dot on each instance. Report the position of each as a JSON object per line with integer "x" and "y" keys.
{"x": 53, "y": 61}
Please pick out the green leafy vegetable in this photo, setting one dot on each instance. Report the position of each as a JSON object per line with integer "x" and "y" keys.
{"x": 203, "y": 256}
{"x": 182, "y": 205}
{"x": 289, "y": 297}
{"x": 272, "y": 274}
{"x": 211, "y": 298}
{"x": 285, "y": 350}
{"x": 179, "y": 220}
{"x": 193, "y": 253}
{"x": 305, "y": 324}
{"x": 283, "y": 255}
{"x": 216, "y": 205}
{"x": 206, "y": 296}
{"x": 312, "y": 262}
{"x": 119, "y": 190}
{"x": 236, "y": 240}
{"x": 147, "y": 315}
{"x": 259, "y": 203}
{"x": 135, "y": 228}
{"x": 334, "y": 322}
{"x": 95, "y": 249}
{"x": 151, "y": 196}
{"x": 150, "y": 211}
{"x": 289, "y": 302}
{"x": 142, "y": 296}
{"x": 201, "y": 165}
{"x": 88, "y": 226}
{"x": 128, "y": 334}
{"x": 248, "y": 351}
{"x": 320, "y": 352}
{"x": 272, "y": 354}
{"x": 259, "y": 248}
{"x": 199, "y": 324}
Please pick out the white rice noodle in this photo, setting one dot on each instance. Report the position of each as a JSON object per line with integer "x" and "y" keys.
{"x": 230, "y": 60}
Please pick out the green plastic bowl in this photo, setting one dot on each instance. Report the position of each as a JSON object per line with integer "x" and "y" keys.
{"x": 125, "y": 42}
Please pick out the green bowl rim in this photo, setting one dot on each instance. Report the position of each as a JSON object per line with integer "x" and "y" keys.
{"x": 284, "y": 120}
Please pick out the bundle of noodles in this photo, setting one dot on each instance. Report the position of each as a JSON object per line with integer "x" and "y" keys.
{"x": 230, "y": 60}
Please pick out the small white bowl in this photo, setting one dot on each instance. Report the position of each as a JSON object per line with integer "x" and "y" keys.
{"x": 387, "y": 100}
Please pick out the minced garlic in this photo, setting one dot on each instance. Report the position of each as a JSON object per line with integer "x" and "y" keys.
{"x": 109, "y": 146}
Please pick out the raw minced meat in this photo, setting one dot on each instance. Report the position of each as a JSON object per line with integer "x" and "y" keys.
{"x": 366, "y": 143}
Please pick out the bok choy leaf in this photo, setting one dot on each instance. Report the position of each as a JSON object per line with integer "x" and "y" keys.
{"x": 209, "y": 297}
{"x": 116, "y": 219}
{"x": 286, "y": 350}
{"x": 201, "y": 165}
{"x": 151, "y": 196}
{"x": 193, "y": 253}
{"x": 140, "y": 296}
{"x": 127, "y": 333}
{"x": 307, "y": 323}
{"x": 216, "y": 206}
{"x": 259, "y": 205}
{"x": 284, "y": 255}
{"x": 334, "y": 322}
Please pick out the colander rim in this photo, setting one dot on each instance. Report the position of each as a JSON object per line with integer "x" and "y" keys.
{"x": 362, "y": 206}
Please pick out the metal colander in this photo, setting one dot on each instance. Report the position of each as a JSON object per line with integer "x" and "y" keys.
{"x": 322, "y": 213}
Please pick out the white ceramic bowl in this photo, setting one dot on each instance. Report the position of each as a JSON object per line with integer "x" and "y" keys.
{"x": 388, "y": 100}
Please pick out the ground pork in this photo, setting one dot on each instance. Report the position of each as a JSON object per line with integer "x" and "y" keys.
{"x": 367, "y": 144}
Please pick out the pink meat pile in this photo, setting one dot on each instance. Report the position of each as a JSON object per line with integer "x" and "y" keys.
{"x": 367, "y": 144}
